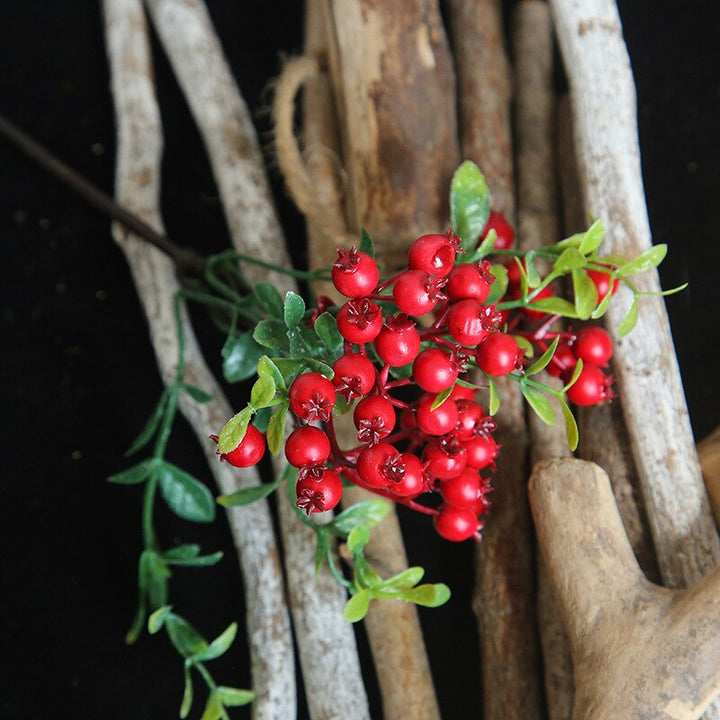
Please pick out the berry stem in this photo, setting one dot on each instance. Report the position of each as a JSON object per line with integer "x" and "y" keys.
{"x": 353, "y": 476}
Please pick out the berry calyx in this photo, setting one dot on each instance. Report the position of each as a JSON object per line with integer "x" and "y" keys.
{"x": 354, "y": 375}
{"x": 318, "y": 489}
{"x": 312, "y": 397}
{"x": 432, "y": 253}
{"x": 355, "y": 274}
{"x": 498, "y": 355}
{"x": 359, "y": 320}
{"x": 307, "y": 445}
{"x": 378, "y": 465}
{"x": 248, "y": 452}
{"x": 445, "y": 457}
{"x": 374, "y": 419}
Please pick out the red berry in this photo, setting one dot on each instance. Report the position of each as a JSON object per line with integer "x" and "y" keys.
{"x": 546, "y": 292}
{"x": 439, "y": 421}
{"x": 481, "y": 452}
{"x": 416, "y": 292}
{"x": 594, "y": 345}
{"x": 318, "y": 489}
{"x": 498, "y": 354}
{"x": 359, "y": 320}
{"x": 456, "y": 524}
{"x": 470, "y": 322}
{"x": 434, "y": 370}
{"x": 413, "y": 480}
{"x": 470, "y": 417}
{"x": 562, "y": 359}
{"x": 354, "y": 375}
{"x": 591, "y": 387}
{"x": 312, "y": 397}
{"x": 505, "y": 233}
{"x": 374, "y": 418}
{"x": 460, "y": 392}
{"x": 603, "y": 282}
{"x": 468, "y": 281}
{"x": 377, "y": 465}
{"x": 446, "y": 457}
{"x": 432, "y": 253}
{"x": 355, "y": 274}
{"x": 249, "y": 451}
{"x": 307, "y": 445}
{"x": 463, "y": 490}
{"x": 398, "y": 342}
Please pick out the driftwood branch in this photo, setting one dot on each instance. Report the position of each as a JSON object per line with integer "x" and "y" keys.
{"x": 138, "y": 187}
{"x": 640, "y": 650}
{"x": 709, "y": 455}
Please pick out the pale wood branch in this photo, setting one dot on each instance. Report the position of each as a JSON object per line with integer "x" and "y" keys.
{"x": 709, "y": 455}
{"x": 138, "y": 187}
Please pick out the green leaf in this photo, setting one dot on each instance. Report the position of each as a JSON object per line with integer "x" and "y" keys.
{"x": 630, "y": 319}
{"x": 289, "y": 367}
{"x": 554, "y": 306}
{"x": 240, "y": 357}
{"x": 539, "y": 403}
{"x": 248, "y": 495}
{"x": 585, "y": 292}
{"x": 319, "y": 367}
{"x": 150, "y": 427}
{"x": 197, "y": 394}
{"x": 187, "y": 699}
{"x": 665, "y": 293}
{"x": 294, "y": 309}
{"x": 592, "y": 238}
{"x": 441, "y": 398}
{"x": 214, "y": 709}
{"x": 485, "y": 248}
{"x": 186, "y": 639}
{"x": 406, "y": 579}
{"x": 269, "y": 299}
{"x": 542, "y": 362}
{"x": 601, "y": 309}
{"x": 358, "y": 538}
{"x": 219, "y": 645}
{"x": 469, "y": 204}
{"x": 494, "y": 400}
{"x": 499, "y": 287}
{"x": 366, "y": 243}
{"x": 153, "y": 576}
{"x": 570, "y": 259}
{"x": 650, "y": 259}
{"x": 326, "y": 329}
{"x": 186, "y": 496}
{"x": 135, "y": 474}
{"x": 234, "y": 697}
{"x": 276, "y": 428}
{"x": 267, "y": 368}
{"x": 525, "y": 345}
{"x": 157, "y": 619}
{"x": 272, "y": 334}
{"x": 429, "y": 595}
{"x": 189, "y": 556}
{"x": 182, "y": 552}
{"x": 263, "y": 392}
{"x": 322, "y": 548}
{"x": 357, "y": 606}
{"x": 262, "y": 418}
{"x": 533, "y": 275}
{"x": 367, "y": 513}
{"x": 571, "y": 428}
{"x": 234, "y": 430}
{"x": 575, "y": 375}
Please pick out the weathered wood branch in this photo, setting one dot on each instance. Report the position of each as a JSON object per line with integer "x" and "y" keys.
{"x": 709, "y": 455}
{"x": 138, "y": 187}
{"x": 640, "y": 650}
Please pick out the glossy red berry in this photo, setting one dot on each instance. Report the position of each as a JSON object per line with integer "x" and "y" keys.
{"x": 359, "y": 320}
{"x": 481, "y": 452}
{"x": 445, "y": 457}
{"x": 439, "y": 421}
{"x": 456, "y": 524}
{"x": 469, "y": 282}
{"x": 307, "y": 445}
{"x": 248, "y": 452}
{"x": 562, "y": 359}
{"x": 416, "y": 292}
{"x": 398, "y": 342}
{"x": 378, "y": 465}
{"x": 432, "y": 253}
{"x": 412, "y": 481}
{"x": 312, "y": 397}
{"x": 374, "y": 418}
{"x": 505, "y": 233}
{"x": 463, "y": 490}
{"x": 603, "y": 282}
{"x": 355, "y": 274}
{"x": 318, "y": 489}
{"x": 593, "y": 344}
{"x": 470, "y": 418}
{"x": 498, "y": 355}
{"x": 435, "y": 370}
{"x": 354, "y": 375}
{"x": 460, "y": 392}
{"x": 591, "y": 387}
{"x": 470, "y": 322}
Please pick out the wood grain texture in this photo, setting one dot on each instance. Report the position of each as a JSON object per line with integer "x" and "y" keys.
{"x": 709, "y": 455}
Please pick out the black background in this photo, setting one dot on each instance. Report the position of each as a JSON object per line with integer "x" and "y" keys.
{"x": 79, "y": 378}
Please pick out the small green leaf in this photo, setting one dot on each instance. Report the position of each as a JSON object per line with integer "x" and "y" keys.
{"x": 186, "y": 639}
{"x": 240, "y": 357}
{"x": 366, "y": 243}
{"x": 319, "y": 367}
{"x": 357, "y": 606}
{"x": 197, "y": 394}
{"x": 650, "y": 259}
{"x": 630, "y": 319}
{"x": 219, "y": 645}
{"x": 542, "y": 362}
{"x": 153, "y": 576}
{"x": 485, "y": 248}
{"x": 234, "y": 697}
{"x": 585, "y": 292}
{"x": 326, "y": 329}
{"x": 575, "y": 375}
{"x": 182, "y": 552}
{"x": 525, "y": 345}
{"x": 571, "y": 428}
{"x": 187, "y": 699}
{"x": 322, "y": 548}
{"x": 263, "y": 392}
{"x": 185, "y": 496}
{"x": 269, "y": 299}
{"x": 601, "y": 309}
{"x": 554, "y": 306}
{"x": 358, "y": 538}
{"x": 469, "y": 204}
{"x": 406, "y": 579}
{"x": 262, "y": 418}
{"x": 499, "y": 287}
{"x": 294, "y": 309}
{"x": 234, "y": 430}
{"x": 150, "y": 427}
{"x": 157, "y": 619}
{"x": 248, "y": 495}
{"x": 367, "y": 513}
{"x": 665, "y": 293}
{"x": 272, "y": 334}
{"x": 189, "y": 556}
{"x": 276, "y": 428}
{"x": 441, "y": 398}
{"x": 570, "y": 259}
{"x": 214, "y": 709}
{"x": 533, "y": 275}
{"x": 290, "y": 368}
{"x": 592, "y": 238}
{"x": 539, "y": 403}
{"x": 494, "y": 401}
{"x": 429, "y": 595}
{"x": 135, "y": 474}
{"x": 267, "y": 368}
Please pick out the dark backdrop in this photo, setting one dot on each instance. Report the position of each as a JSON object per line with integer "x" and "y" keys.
{"x": 79, "y": 378}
